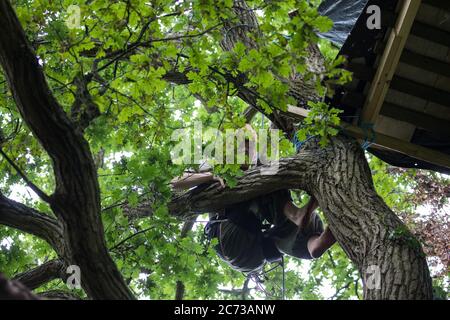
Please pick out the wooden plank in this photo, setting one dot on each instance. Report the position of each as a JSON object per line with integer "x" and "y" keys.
{"x": 426, "y": 63}
{"x": 408, "y": 86}
{"x": 440, "y": 4}
{"x": 302, "y": 112}
{"x": 420, "y": 29}
{"x": 431, "y": 33}
{"x": 422, "y": 120}
{"x": 421, "y": 91}
{"x": 412, "y": 150}
{"x": 389, "y": 60}
{"x": 395, "y": 128}
{"x": 419, "y": 119}
{"x": 387, "y": 142}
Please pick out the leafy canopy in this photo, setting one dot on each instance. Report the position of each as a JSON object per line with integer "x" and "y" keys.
{"x": 152, "y": 67}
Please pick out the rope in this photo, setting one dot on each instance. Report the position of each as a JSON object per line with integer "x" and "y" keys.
{"x": 258, "y": 277}
{"x": 369, "y": 138}
{"x": 300, "y": 143}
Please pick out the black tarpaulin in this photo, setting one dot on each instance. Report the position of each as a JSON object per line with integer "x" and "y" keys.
{"x": 344, "y": 14}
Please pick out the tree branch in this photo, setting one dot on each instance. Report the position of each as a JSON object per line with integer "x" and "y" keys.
{"x": 23, "y": 218}
{"x": 29, "y": 183}
{"x": 289, "y": 173}
{"x": 14, "y": 290}
{"x": 292, "y": 173}
{"x": 42, "y": 274}
{"x": 58, "y": 295}
{"x": 245, "y": 29}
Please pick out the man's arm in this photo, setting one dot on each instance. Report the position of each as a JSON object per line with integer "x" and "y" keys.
{"x": 189, "y": 180}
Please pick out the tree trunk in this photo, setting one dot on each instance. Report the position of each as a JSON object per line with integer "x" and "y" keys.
{"x": 390, "y": 260}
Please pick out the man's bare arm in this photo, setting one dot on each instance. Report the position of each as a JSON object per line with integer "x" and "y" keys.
{"x": 189, "y": 180}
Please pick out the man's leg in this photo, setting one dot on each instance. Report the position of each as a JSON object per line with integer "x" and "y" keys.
{"x": 300, "y": 216}
{"x": 317, "y": 245}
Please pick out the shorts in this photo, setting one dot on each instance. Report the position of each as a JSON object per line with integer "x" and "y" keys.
{"x": 241, "y": 236}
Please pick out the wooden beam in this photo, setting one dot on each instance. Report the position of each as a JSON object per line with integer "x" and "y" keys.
{"x": 419, "y": 29}
{"x": 412, "y": 150}
{"x": 422, "y": 120}
{"x": 417, "y": 60}
{"x": 297, "y": 111}
{"x": 431, "y": 33}
{"x": 408, "y": 86}
{"x": 389, "y": 60}
{"x": 387, "y": 142}
{"x": 422, "y": 91}
{"x": 426, "y": 63}
{"x": 440, "y": 4}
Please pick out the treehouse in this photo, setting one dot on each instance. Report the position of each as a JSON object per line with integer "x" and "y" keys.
{"x": 399, "y": 98}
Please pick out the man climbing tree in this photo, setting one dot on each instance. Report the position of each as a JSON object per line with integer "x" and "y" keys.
{"x": 90, "y": 99}
{"x": 243, "y": 242}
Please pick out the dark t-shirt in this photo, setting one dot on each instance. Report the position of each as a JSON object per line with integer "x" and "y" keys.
{"x": 241, "y": 236}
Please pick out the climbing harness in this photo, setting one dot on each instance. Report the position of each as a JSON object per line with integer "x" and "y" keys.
{"x": 270, "y": 251}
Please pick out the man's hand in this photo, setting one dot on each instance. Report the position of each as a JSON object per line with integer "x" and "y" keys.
{"x": 220, "y": 181}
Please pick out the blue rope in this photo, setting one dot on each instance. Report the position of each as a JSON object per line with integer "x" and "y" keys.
{"x": 369, "y": 138}
{"x": 369, "y": 134}
{"x": 300, "y": 143}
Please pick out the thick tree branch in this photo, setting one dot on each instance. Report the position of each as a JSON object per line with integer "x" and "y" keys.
{"x": 83, "y": 110}
{"x": 58, "y": 295}
{"x": 23, "y": 218}
{"x": 289, "y": 173}
{"x": 14, "y": 290}
{"x": 42, "y": 274}
{"x": 293, "y": 173}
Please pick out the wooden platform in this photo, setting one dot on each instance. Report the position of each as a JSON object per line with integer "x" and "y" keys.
{"x": 401, "y": 83}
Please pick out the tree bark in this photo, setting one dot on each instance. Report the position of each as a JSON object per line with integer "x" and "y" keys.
{"x": 21, "y": 217}
{"x": 58, "y": 295}
{"x": 373, "y": 237}
{"x": 14, "y": 290}
{"x": 42, "y": 274}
